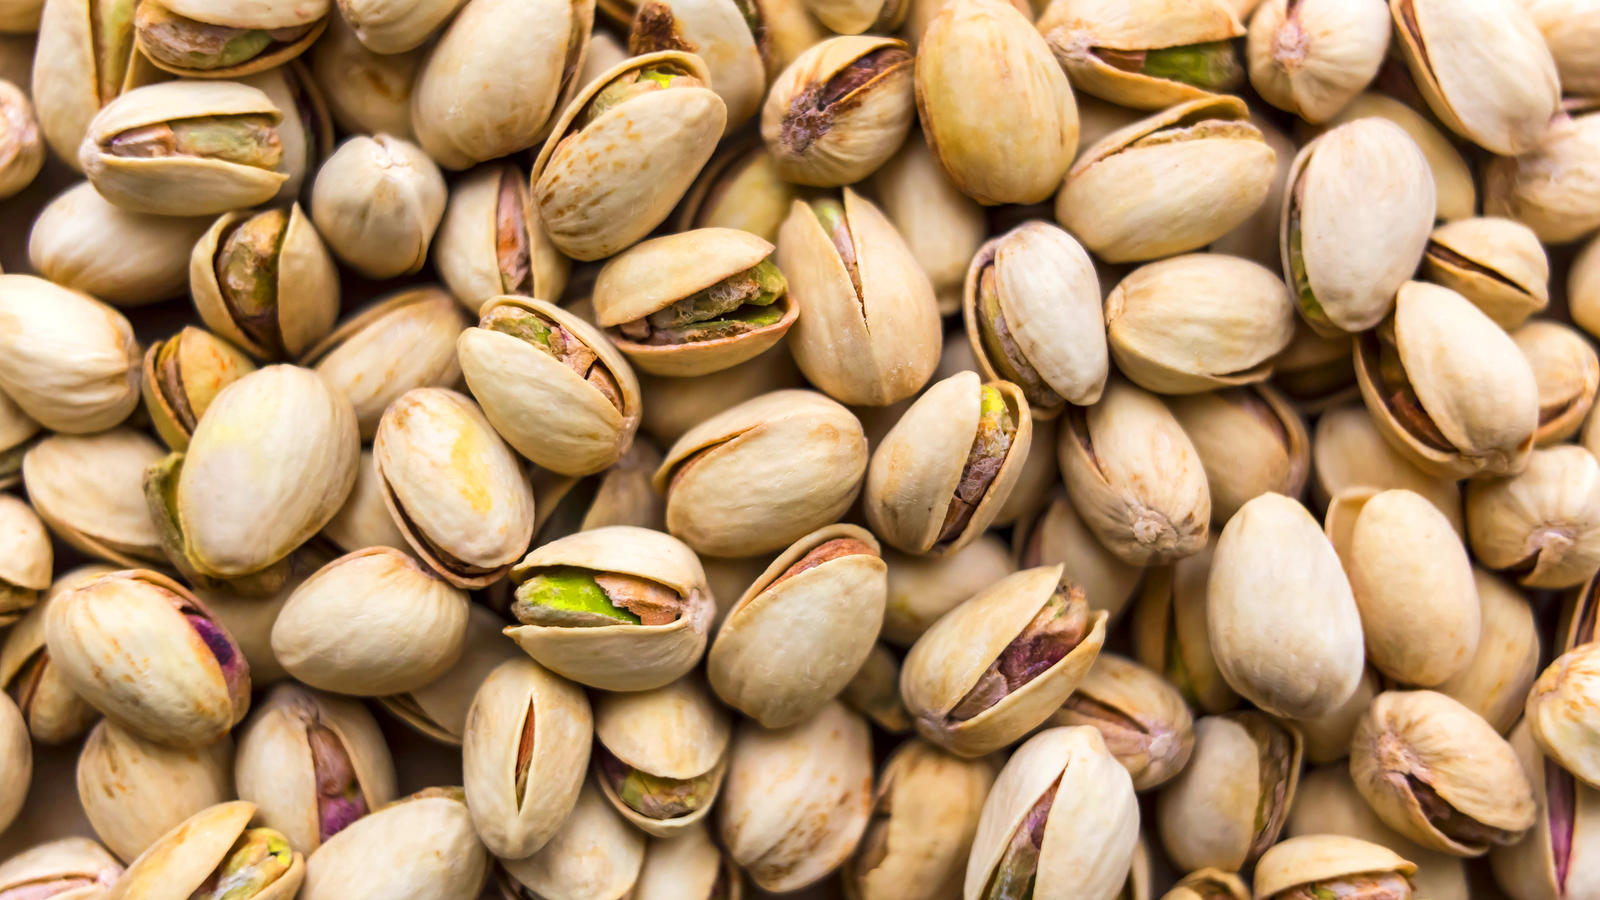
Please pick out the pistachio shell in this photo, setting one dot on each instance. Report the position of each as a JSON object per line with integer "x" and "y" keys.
{"x": 77, "y": 867}
{"x": 735, "y": 44}
{"x": 1498, "y": 264}
{"x": 941, "y": 226}
{"x": 1250, "y": 442}
{"x": 1256, "y": 238}
{"x": 466, "y": 250}
{"x": 921, "y": 588}
{"x": 1141, "y": 717}
{"x": 1553, "y": 187}
{"x": 1542, "y": 525}
{"x": 366, "y": 92}
{"x": 364, "y": 520}
{"x": 67, "y": 360}
{"x": 1559, "y": 712}
{"x": 1348, "y": 451}
{"x": 420, "y": 846}
{"x": 675, "y": 732}
{"x": 594, "y": 853}
{"x": 250, "y": 614}
{"x": 1567, "y": 371}
{"x": 851, "y": 17}
{"x": 1081, "y": 31}
{"x": 1327, "y": 737}
{"x": 1583, "y": 288}
{"x": 925, "y": 814}
{"x": 1311, "y": 59}
{"x": 1454, "y": 187}
{"x": 82, "y": 241}
{"x": 672, "y": 406}
{"x": 17, "y": 755}
{"x": 134, "y": 791}
{"x": 1170, "y": 635}
{"x": 1556, "y": 858}
{"x": 1308, "y": 859}
{"x": 377, "y": 202}
{"x": 181, "y": 861}
{"x": 1495, "y": 682}
{"x": 439, "y": 708}
{"x": 740, "y": 188}
{"x": 16, "y": 430}
{"x": 1208, "y": 884}
{"x": 389, "y": 28}
{"x": 1569, "y": 27}
{"x": 1058, "y": 535}
{"x": 621, "y": 495}
{"x": 1229, "y": 804}
{"x": 307, "y": 128}
{"x": 25, "y": 554}
{"x": 82, "y": 65}
{"x": 689, "y": 865}
{"x": 182, "y": 375}
{"x": 304, "y": 290}
{"x": 822, "y": 137}
{"x": 53, "y": 712}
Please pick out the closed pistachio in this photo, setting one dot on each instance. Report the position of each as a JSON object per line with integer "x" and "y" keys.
{"x": 1541, "y": 526}
{"x": 225, "y": 40}
{"x": 1569, "y": 28}
{"x": 22, "y": 148}
{"x": 265, "y": 281}
{"x": 660, "y": 755}
{"x": 366, "y": 92}
{"x": 67, "y": 360}
{"x": 1001, "y": 663}
{"x": 1454, "y": 187}
{"x": 1495, "y": 682}
{"x": 182, "y": 375}
{"x": 1250, "y": 442}
{"x": 1556, "y": 860}
{"x": 925, "y": 812}
{"x": 376, "y": 202}
{"x": 1313, "y": 866}
{"x": 741, "y": 188}
{"x": 1498, "y": 264}
{"x": 1059, "y": 535}
{"x": 1032, "y": 310}
{"x": 1327, "y": 737}
{"x": 1348, "y": 451}
{"x": 16, "y": 777}
{"x": 855, "y": 16}
{"x": 874, "y": 691}
{"x": 1141, "y": 717}
{"x": 1061, "y": 818}
{"x": 491, "y": 241}
{"x": 1440, "y": 775}
{"x": 87, "y": 488}
{"x": 72, "y": 868}
{"x": 593, "y": 854}
{"x": 1148, "y": 54}
{"x": 839, "y": 111}
{"x": 85, "y": 60}
{"x": 1230, "y": 802}
{"x": 800, "y": 632}
{"x": 687, "y": 866}
{"x": 1567, "y": 372}
{"x": 387, "y": 28}
{"x": 922, "y": 588}
{"x": 1256, "y": 238}
{"x": 1583, "y": 288}
{"x": 364, "y": 520}
{"x": 1560, "y": 711}
{"x": 25, "y": 558}
{"x": 941, "y": 226}
{"x": 214, "y": 855}
{"x": 1551, "y": 188}
{"x": 733, "y": 38}
{"x": 133, "y": 791}
{"x": 1316, "y": 371}
{"x": 797, "y": 799}
{"x": 1209, "y": 883}
{"x": 439, "y": 708}
{"x": 17, "y": 431}
{"x": 624, "y": 152}
{"x": 1311, "y": 58}
{"x": 418, "y": 846}
{"x": 53, "y": 712}
{"x": 1128, "y": 197}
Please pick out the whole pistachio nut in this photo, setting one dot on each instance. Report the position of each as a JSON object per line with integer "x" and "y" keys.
{"x": 1059, "y": 535}
{"x": 941, "y": 226}
{"x": 249, "y": 614}
{"x": 800, "y": 632}
{"x": 492, "y": 242}
{"x": 923, "y": 588}
{"x": 1454, "y": 187}
{"x": 307, "y": 127}
{"x": 1583, "y": 287}
{"x": 733, "y": 37}
{"x": 1569, "y": 28}
{"x": 1446, "y": 387}
{"x": 1001, "y": 663}
{"x": 1031, "y": 305}
{"x": 1316, "y": 372}
{"x": 182, "y": 375}
{"x": 851, "y": 17}
{"x": 621, "y": 495}
{"x": 72, "y": 868}
{"x": 389, "y": 28}
{"x": 660, "y": 755}
{"x": 26, "y": 558}
{"x": 790, "y": 28}
{"x": 593, "y": 854}
{"x": 85, "y": 59}
{"x": 1311, "y": 57}
{"x": 418, "y": 846}
{"x": 1356, "y": 218}
{"x": 16, "y": 775}
{"x": 438, "y": 709}
{"x": 996, "y": 110}
{"x": 1061, "y": 784}
{"x": 376, "y": 202}
{"x": 1348, "y": 451}
{"x": 145, "y": 651}
{"x": 1230, "y": 802}
{"x": 1559, "y": 712}
{"x": 366, "y": 92}
{"x": 694, "y": 302}
{"x": 1283, "y": 624}
{"x": 1495, "y": 682}
{"x": 82, "y": 241}
{"x": 215, "y": 855}
{"x": 757, "y": 476}
{"x": 687, "y": 866}
{"x": 22, "y": 147}
{"x": 1250, "y": 442}
{"x": 1141, "y": 717}
{"x": 1313, "y": 866}
{"x": 185, "y": 148}
{"x": 1437, "y": 773}
{"x": 87, "y": 488}
{"x": 839, "y": 111}
{"x": 1135, "y": 477}
{"x": 197, "y": 39}
{"x": 874, "y": 692}
{"x": 472, "y": 524}
{"x": 624, "y": 151}
{"x": 673, "y": 405}
{"x": 1542, "y": 526}
{"x": 1498, "y": 264}
{"x": 70, "y": 362}
{"x": 133, "y": 791}
{"x": 1209, "y": 883}
{"x": 1556, "y": 860}
{"x": 796, "y": 800}
{"x": 1567, "y": 371}
{"x": 1148, "y": 54}
{"x": 740, "y": 188}
{"x": 54, "y": 713}
{"x": 525, "y": 749}
{"x": 1327, "y": 737}
{"x": 17, "y": 431}
{"x": 264, "y": 280}
{"x": 1483, "y": 67}
{"x": 1553, "y": 186}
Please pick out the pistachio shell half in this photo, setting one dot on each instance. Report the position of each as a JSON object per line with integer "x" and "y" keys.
{"x": 182, "y": 375}
{"x": 134, "y": 791}
{"x": 1498, "y": 264}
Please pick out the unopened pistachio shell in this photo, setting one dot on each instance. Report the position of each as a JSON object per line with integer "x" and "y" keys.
{"x": 1543, "y": 524}
{"x": 69, "y": 361}
{"x": 366, "y": 92}
{"x": 1551, "y": 188}
{"x": 1454, "y": 187}
{"x": 82, "y": 241}
{"x": 76, "y": 868}
{"x": 1230, "y": 803}
{"x": 1311, "y": 58}
{"x": 133, "y": 791}
{"x": 419, "y": 846}
{"x": 376, "y": 202}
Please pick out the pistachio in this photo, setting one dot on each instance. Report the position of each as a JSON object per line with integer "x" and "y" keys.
{"x": 53, "y": 712}
{"x": 201, "y": 40}
{"x": 134, "y": 791}
{"x": 1348, "y": 451}
{"x": 1140, "y": 716}
{"x": 67, "y": 360}
{"x": 72, "y": 868}
{"x": 377, "y": 202}
{"x": 377, "y": 856}
{"x": 1316, "y": 372}
{"x": 924, "y": 816}
{"x": 839, "y": 111}
{"x": 25, "y": 558}
{"x": 674, "y": 405}
{"x": 922, "y": 588}
{"x": 661, "y": 755}
{"x": 1495, "y": 682}
{"x": 17, "y": 754}
{"x": 740, "y": 188}
{"x": 438, "y": 709}
{"x": 492, "y": 242}
{"x": 1553, "y": 861}
{"x": 1230, "y": 803}
{"x": 22, "y": 149}
{"x": 621, "y": 495}
{"x": 1314, "y": 866}
{"x": 86, "y": 60}
{"x": 1567, "y": 372}
{"x": 388, "y": 29}
{"x": 1583, "y": 287}
{"x": 732, "y": 36}
{"x": 687, "y": 865}
{"x": 1208, "y": 884}
{"x": 1256, "y": 238}
{"x": 1170, "y": 636}
{"x": 1558, "y": 712}
{"x": 1311, "y": 58}
{"x": 594, "y": 851}
{"x": 850, "y": 17}
{"x": 874, "y": 691}
{"x": 1498, "y": 264}
{"x": 213, "y": 856}
{"x": 249, "y": 614}
{"x": 17, "y": 430}
{"x": 366, "y": 92}
{"x": 1148, "y": 54}
{"x": 1541, "y": 526}
{"x": 1327, "y": 737}
{"x": 1550, "y": 188}
{"x": 182, "y": 375}
{"x": 265, "y": 281}
{"x": 1250, "y": 442}
{"x": 1454, "y": 186}
{"x": 942, "y": 226}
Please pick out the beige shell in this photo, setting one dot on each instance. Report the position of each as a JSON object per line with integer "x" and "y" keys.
{"x": 1543, "y": 525}
{"x": 182, "y": 860}
{"x": 785, "y": 650}
{"x": 850, "y": 17}
{"x": 1091, "y": 829}
{"x": 1327, "y": 737}
{"x": 1078, "y": 29}
{"x": 1215, "y": 812}
{"x": 439, "y": 708}
{"x": 377, "y": 202}
{"x": 796, "y": 800}
{"x": 306, "y": 130}
{"x": 79, "y": 868}
{"x": 1569, "y": 28}
{"x": 1551, "y": 188}
{"x": 1317, "y": 372}
{"x": 1140, "y": 715}
{"x": 69, "y": 361}
{"x": 1348, "y": 451}
{"x": 1495, "y": 682}
{"x": 1498, "y": 264}
{"x": 921, "y": 588}
{"x": 646, "y": 151}
{"x": 687, "y": 864}
{"x": 1256, "y": 238}
{"x": 465, "y": 249}
{"x": 471, "y": 524}
{"x": 1567, "y": 371}
{"x": 672, "y": 406}
{"x": 1308, "y": 858}
{"x": 364, "y": 520}
{"x": 420, "y": 846}
{"x": 1530, "y": 869}
{"x": 71, "y": 76}
{"x": 673, "y": 732}
{"x": 1583, "y": 287}
{"x": 1170, "y": 635}
{"x": 80, "y": 240}
{"x": 389, "y": 28}
{"x": 53, "y": 712}
{"x": 941, "y": 226}
{"x": 16, "y": 430}
{"x": 25, "y": 554}
{"x": 1208, "y": 884}
{"x": 1127, "y": 198}
{"x": 1315, "y": 58}
{"x": 17, "y": 755}
{"x": 133, "y": 791}
{"x": 366, "y": 92}
{"x": 250, "y": 614}
{"x": 1454, "y": 187}
{"x": 736, "y": 51}
{"x": 306, "y": 287}
{"x": 835, "y": 141}
{"x": 949, "y": 658}
{"x": 594, "y": 853}
{"x": 1059, "y": 535}
{"x": 740, "y": 188}
{"x": 177, "y": 390}
{"x": 621, "y": 495}
{"x": 87, "y": 489}
{"x": 1250, "y": 442}
{"x": 24, "y": 153}
{"x": 1559, "y": 712}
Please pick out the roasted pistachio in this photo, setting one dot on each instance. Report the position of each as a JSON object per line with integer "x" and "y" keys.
{"x": 1559, "y": 711}
{"x": 1498, "y": 264}
{"x": 439, "y": 708}
{"x": 366, "y": 92}
{"x": 921, "y": 588}
{"x": 492, "y": 242}
{"x": 133, "y": 791}
{"x": 1567, "y": 372}
{"x": 1454, "y": 187}
{"x": 17, "y": 754}
{"x": 740, "y": 188}
{"x": 660, "y": 755}
{"x": 1311, "y": 57}
{"x": 1209, "y": 883}
{"x": 182, "y": 375}
{"x": 209, "y": 40}
{"x": 376, "y": 202}
{"x": 942, "y": 226}
{"x": 594, "y": 853}
{"x": 72, "y": 868}
{"x": 734, "y": 39}
{"x": 1550, "y": 188}
{"x": 1555, "y": 860}
{"x": 839, "y": 111}
{"x": 386, "y": 28}
{"x": 26, "y": 558}
{"x": 1541, "y": 526}
{"x": 420, "y": 846}
{"x": 1348, "y": 451}
{"x": 1250, "y": 442}
{"x": 1141, "y": 717}
{"x": 1170, "y": 635}
{"x": 87, "y": 488}
{"x": 82, "y": 241}
{"x": 925, "y": 812}
{"x": 1495, "y": 682}
{"x": 1148, "y": 54}
{"x": 1230, "y": 802}
{"x": 22, "y": 148}
{"x": 688, "y": 865}
{"x": 214, "y": 855}
{"x": 67, "y": 360}
{"x": 53, "y": 712}
{"x": 265, "y": 281}
{"x": 855, "y": 16}
{"x": 1314, "y": 866}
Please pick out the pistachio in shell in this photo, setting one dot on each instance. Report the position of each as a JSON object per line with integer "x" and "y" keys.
{"x": 1312, "y": 866}
{"x": 387, "y": 29}
{"x": 17, "y": 754}
{"x": 1567, "y": 372}
{"x": 1495, "y": 682}
{"x": 1148, "y": 54}
{"x": 1316, "y": 372}
{"x": 214, "y": 855}
{"x": 840, "y": 110}
{"x": 660, "y": 755}
{"x": 942, "y": 226}
{"x": 1455, "y": 188}
{"x": 491, "y": 241}
{"x": 740, "y": 188}
{"x": 1230, "y": 802}
{"x": 377, "y": 202}
{"x": 874, "y": 691}
{"x": 264, "y": 281}
{"x": 22, "y": 147}
{"x": 68, "y": 361}
{"x": 182, "y": 375}
{"x": 82, "y": 241}
{"x": 71, "y": 868}
{"x": 1559, "y": 712}
{"x": 1496, "y": 263}
{"x": 1542, "y": 526}
{"x": 26, "y": 558}
{"x": 86, "y": 59}
{"x": 734, "y": 38}
{"x": 923, "y": 588}
{"x": 1209, "y": 883}
{"x": 1550, "y": 187}
{"x": 1348, "y": 451}
{"x": 1327, "y": 737}
{"x": 422, "y": 845}
{"x": 690, "y": 865}
{"x": 594, "y": 851}
{"x": 1250, "y": 441}
{"x": 1057, "y": 534}
{"x": 1311, "y": 58}
{"x": 16, "y": 432}
{"x": 53, "y": 712}
{"x": 850, "y": 17}
{"x": 438, "y": 710}
{"x": 88, "y": 490}
{"x": 133, "y": 791}
{"x": 1141, "y": 717}
{"x": 1569, "y": 31}
{"x": 366, "y": 92}
{"x": 1554, "y": 860}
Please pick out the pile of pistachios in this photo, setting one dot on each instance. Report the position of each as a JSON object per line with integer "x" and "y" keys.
{"x": 864, "y": 449}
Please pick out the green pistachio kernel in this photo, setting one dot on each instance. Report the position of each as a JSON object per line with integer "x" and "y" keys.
{"x": 260, "y": 857}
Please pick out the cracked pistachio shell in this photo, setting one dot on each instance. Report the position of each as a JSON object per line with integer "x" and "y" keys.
{"x": 1556, "y": 860}
{"x": 133, "y": 791}
{"x": 1250, "y": 441}
{"x": 66, "y": 359}
{"x": 1135, "y": 477}
{"x": 413, "y": 637}
{"x": 54, "y": 713}
{"x": 524, "y": 752}
{"x": 87, "y": 489}
{"x": 145, "y": 651}
{"x": 82, "y": 241}
{"x": 1356, "y": 218}
{"x": 1170, "y": 636}
{"x": 924, "y": 816}
{"x": 1560, "y": 712}
{"x": 655, "y": 274}
{"x": 1483, "y": 67}
{"x": 1498, "y": 264}
{"x": 294, "y": 746}
{"x": 438, "y": 709}
{"x": 1454, "y": 188}
{"x": 184, "y": 184}
{"x": 1208, "y": 884}
{"x": 756, "y": 477}
{"x": 603, "y": 185}
{"x": 1447, "y": 387}
{"x": 1567, "y": 371}
{"x": 377, "y": 202}
{"x": 794, "y": 640}
{"x": 595, "y": 853}
{"x": 1554, "y": 187}
{"x": 421, "y": 846}
{"x": 941, "y": 226}
{"x": 675, "y": 733}
{"x": 1047, "y": 297}
{"x": 489, "y": 212}
{"x": 1140, "y": 715}
{"x": 1090, "y": 827}
{"x": 922, "y": 588}
{"x": 182, "y": 375}
{"x": 182, "y": 861}
{"x": 459, "y": 495}
{"x": 303, "y": 293}
{"x": 1282, "y": 620}
{"x": 1469, "y": 779}
{"x": 25, "y": 557}
{"x": 1130, "y": 198}
{"x": 306, "y": 129}
{"x": 920, "y": 466}
{"x": 1313, "y": 56}
{"x": 499, "y": 73}
{"x": 364, "y": 520}
{"x": 740, "y": 188}
{"x": 687, "y": 866}
{"x": 1327, "y": 737}
{"x": 1348, "y": 451}
{"x": 996, "y": 109}
{"x": 1058, "y": 535}
{"x": 732, "y": 38}
{"x": 183, "y": 50}
{"x": 366, "y": 92}
{"x": 16, "y": 761}
{"x": 796, "y": 800}
{"x": 1198, "y": 322}
{"x": 1495, "y": 682}
{"x": 1097, "y": 41}
{"x": 386, "y": 27}
{"x": 950, "y": 659}
{"x": 1541, "y": 526}
{"x": 1232, "y": 799}
{"x": 827, "y": 125}
{"x": 84, "y": 60}
{"x": 72, "y": 868}
{"x": 1306, "y": 861}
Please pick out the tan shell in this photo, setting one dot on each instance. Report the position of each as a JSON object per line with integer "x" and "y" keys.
{"x": 1314, "y": 59}
{"x": 1170, "y": 635}
{"x": 785, "y": 650}
{"x": 241, "y": 15}
{"x": 307, "y": 129}
{"x": 1250, "y": 442}
{"x": 69, "y": 361}
{"x": 740, "y": 188}
{"x": 1307, "y": 859}
{"x": 87, "y": 489}
{"x": 84, "y": 868}
{"x": 1495, "y": 682}
{"x": 250, "y": 614}
{"x": 687, "y": 864}
{"x": 941, "y": 226}
{"x": 1498, "y": 264}
{"x": 67, "y": 76}
{"x": 1256, "y": 238}
{"x": 921, "y": 588}
{"x": 16, "y": 430}
{"x": 420, "y": 846}
{"x": 1542, "y": 524}
{"x": 676, "y": 731}
{"x": 1038, "y": 476}
{"x": 464, "y": 250}
{"x": 180, "y": 861}
{"x": 17, "y": 755}
{"x": 736, "y": 53}
{"x": 202, "y": 365}
{"x": 1583, "y": 287}
{"x": 134, "y": 791}
{"x": 1327, "y": 737}
{"x": 364, "y": 520}
{"x": 377, "y": 202}
{"x": 621, "y": 495}
{"x": 24, "y": 154}
{"x": 366, "y": 92}
{"x": 53, "y": 712}
{"x": 594, "y": 853}
{"x": 857, "y": 132}
{"x": 82, "y": 241}
{"x": 1529, "y": 869}
{"x": 389, "y": 28}
{"x": 1210, "y": 814}
{"x": 672, "y": 406}
{"x": 1454, "y": 186}
{"x": 1552, "y": 188}
{"x": 1567, "y": 371}
{"x": 438, "y": 709}
{"x": 1059, "y": 535}
{"x": 25, "y": 554}
{"x": 306, "y": 289}
{"x": 1077, "y": 28}
{"x": 1559, "y": 712}
{"x": 1569, "y": 29}
{"x": 1348, "y": 452}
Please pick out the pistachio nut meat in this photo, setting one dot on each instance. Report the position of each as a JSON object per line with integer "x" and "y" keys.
{"x": 1555, "y": 860}
{"x": 804, "y": 627}
{"x": 1311, "y": 57}
{"x": 377, "y": 202}
{"x": 923, "y": 588}
{"x": 422, "y": 845}
{"x": 68, "y": 361}
{"x": 16, "y": 753}
{"x": 1558, "y": 713}
{"x": 88, "y": 490}
{"x": 618, "y": 608}
{"x": 438, "y": 710}
{"x": 1348, "y": 451}
{"x": 71, "y": 868}
{"x": 1208, "y": 884}
{"x": 694, "y": 302}
{"x": 491, "y": 241}
{"x": 133, "y": 791}
{"x": 1141, "y": 717}
{"x": 734, "y": 38}
{"x": 82, "y": 241}
{"x": 387, "y": 29}
{"x": 1061, "y": 817}
{"x": 594, "y": 853}
{"x": 195, "y": 39}
{"x": 85, "y": 60}
{"x": 53, "y": 712}
{"x": 265, "y": 281}
{"x": 1001, "y": 663}
{"x": 182, "y": 375}
{"x": 1455, "y": 188}
{"x": 687, "y": 865}
{"x": 1496, "y": 263}
{"x": 739, "y": 188}
{"x": 1148, "y": 54}
{"x": 840, "y": 111}
{"x": 1250, "y": 441}
{"x": 942, "y": 226}
{"x": 1542, "y": 526}
{"x": 1437, "y": 773}
{"x": 524, "y": 752}
{"x": 1495, "y": 682}
{"x": 1231, "y": 801}
{"x": 185, "y": 148}
{"x": 1566, "y": 369}
{"x": 1320, "y": 865}
{"x": 215, "y": 855}
{"x": 22, "y": 148}
{"x": 660, "y": 755}
{"x": 366, "y": 92}
{"x": 26, "y": 558}
{"x": 624, "y": 151}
